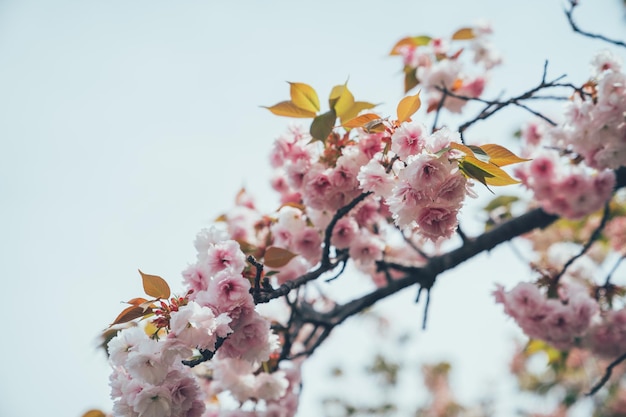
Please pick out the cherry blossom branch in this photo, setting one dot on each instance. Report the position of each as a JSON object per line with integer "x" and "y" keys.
{"x": 425, "y": 276}
{"x": 492, "y": 106}
{"x": 607, "y": 375}
{"x": 326, "y": 264}
{"x": 570, "y": 18}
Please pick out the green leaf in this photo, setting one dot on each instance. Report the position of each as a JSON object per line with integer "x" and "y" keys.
{"x": 289, "y": 109}
{"x": 500, "y": 201}
{"x": 304, "y": 97}
{"x": 322, "y": 125}
{"x": 486, "y": 173}
{"x": 276, "y": 257}
{"x": 155, "y": 286}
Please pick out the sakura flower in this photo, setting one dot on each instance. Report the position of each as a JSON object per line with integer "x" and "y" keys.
{"x": 409, "y": 139}
{"x": 225, "y": 256}
{"x": 153, "y": 402}
{"x": 195, "y": 326}
{"x": 437, "y": 222}
{"x": 366, "y": 248}
{"x": 126, "y": 341}
{"x": 373, "y": 178}
{"x": 270, "y": 386}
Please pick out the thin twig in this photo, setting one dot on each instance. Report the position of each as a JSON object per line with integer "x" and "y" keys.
{"x": 607, "y": 282}
{"x": 607, "y": 375}
{"x": 426, "y": 308}
{"x": 594, "y": 236}
{"x": 569, "y": 13}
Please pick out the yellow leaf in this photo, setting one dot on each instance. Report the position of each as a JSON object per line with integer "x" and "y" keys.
{"x": 407, "y": 107}
{"x": 276, "y": 257}
{"x": 300, "y": 207}
{"x": 289, "y": 109}
{"x": 460, "y": 147}
{"x": 414, "y": 41}
{"x": 304, "y": 97}
{"x": 94, "y": 413}
{"x": 356, "y": 108}
{"x": 362, "y": 120}
{"x": 464, "y": 34}
{"x": 501, "y": 156}
{"x": 489, "y": 174}
{"x": 341, "y": 100}
{"x": 155, "y": 286}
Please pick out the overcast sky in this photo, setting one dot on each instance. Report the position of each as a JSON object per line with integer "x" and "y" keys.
{"x": 127, "y": 126}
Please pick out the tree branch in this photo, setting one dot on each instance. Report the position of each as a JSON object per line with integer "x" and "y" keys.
{"x": 570, "y": 18}
{"x": 607, "y": 375}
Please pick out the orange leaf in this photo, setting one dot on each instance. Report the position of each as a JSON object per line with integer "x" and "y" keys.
{"x": 407, "y": 107}
{"x": 155, "y": 286}
{"x": 276, "y": 257}
{"x": 136, "y": 301}
{"x": 94, "y": 413}
{"x": 304, "y": 97}
{"x": 414, "y": 41}
{"x": 501, "y": 156}
{"x": 130, "y": 313}
{"x": 464, "y": 34}
{"x": 289, "y": 109}
{"x": 460, "y": 147}
{"x": 361, "y": 120}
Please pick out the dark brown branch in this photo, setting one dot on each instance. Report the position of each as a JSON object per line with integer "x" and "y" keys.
{"x": 444, "y": 92}
{"x": 570, "y": 18}
{"x": 205, "y": 354}
{"x": 288, "y": 286}
{"x": 607, "y": 281}
{"x": 329, "y": 229}
{"x": 492, "y": 106}
{"x": 607, "y": 375}
{"x": 326, "y": 264}
{"x": 425, "y": 275}
{"x": 594, "y": 236}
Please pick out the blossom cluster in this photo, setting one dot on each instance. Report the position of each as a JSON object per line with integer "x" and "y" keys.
{"x": 217, "y": 316}
{"x": 438, "y": 65}
{"x": 412, "y": 174}
{"x": 571, "y": 172}
{"x": 570, "y": 316}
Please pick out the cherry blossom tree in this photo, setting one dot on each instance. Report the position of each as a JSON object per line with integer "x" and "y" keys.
{"x": 379, "y": 195}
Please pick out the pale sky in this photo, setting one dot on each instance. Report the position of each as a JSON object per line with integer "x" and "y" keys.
{"x": 127, "y": 126}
